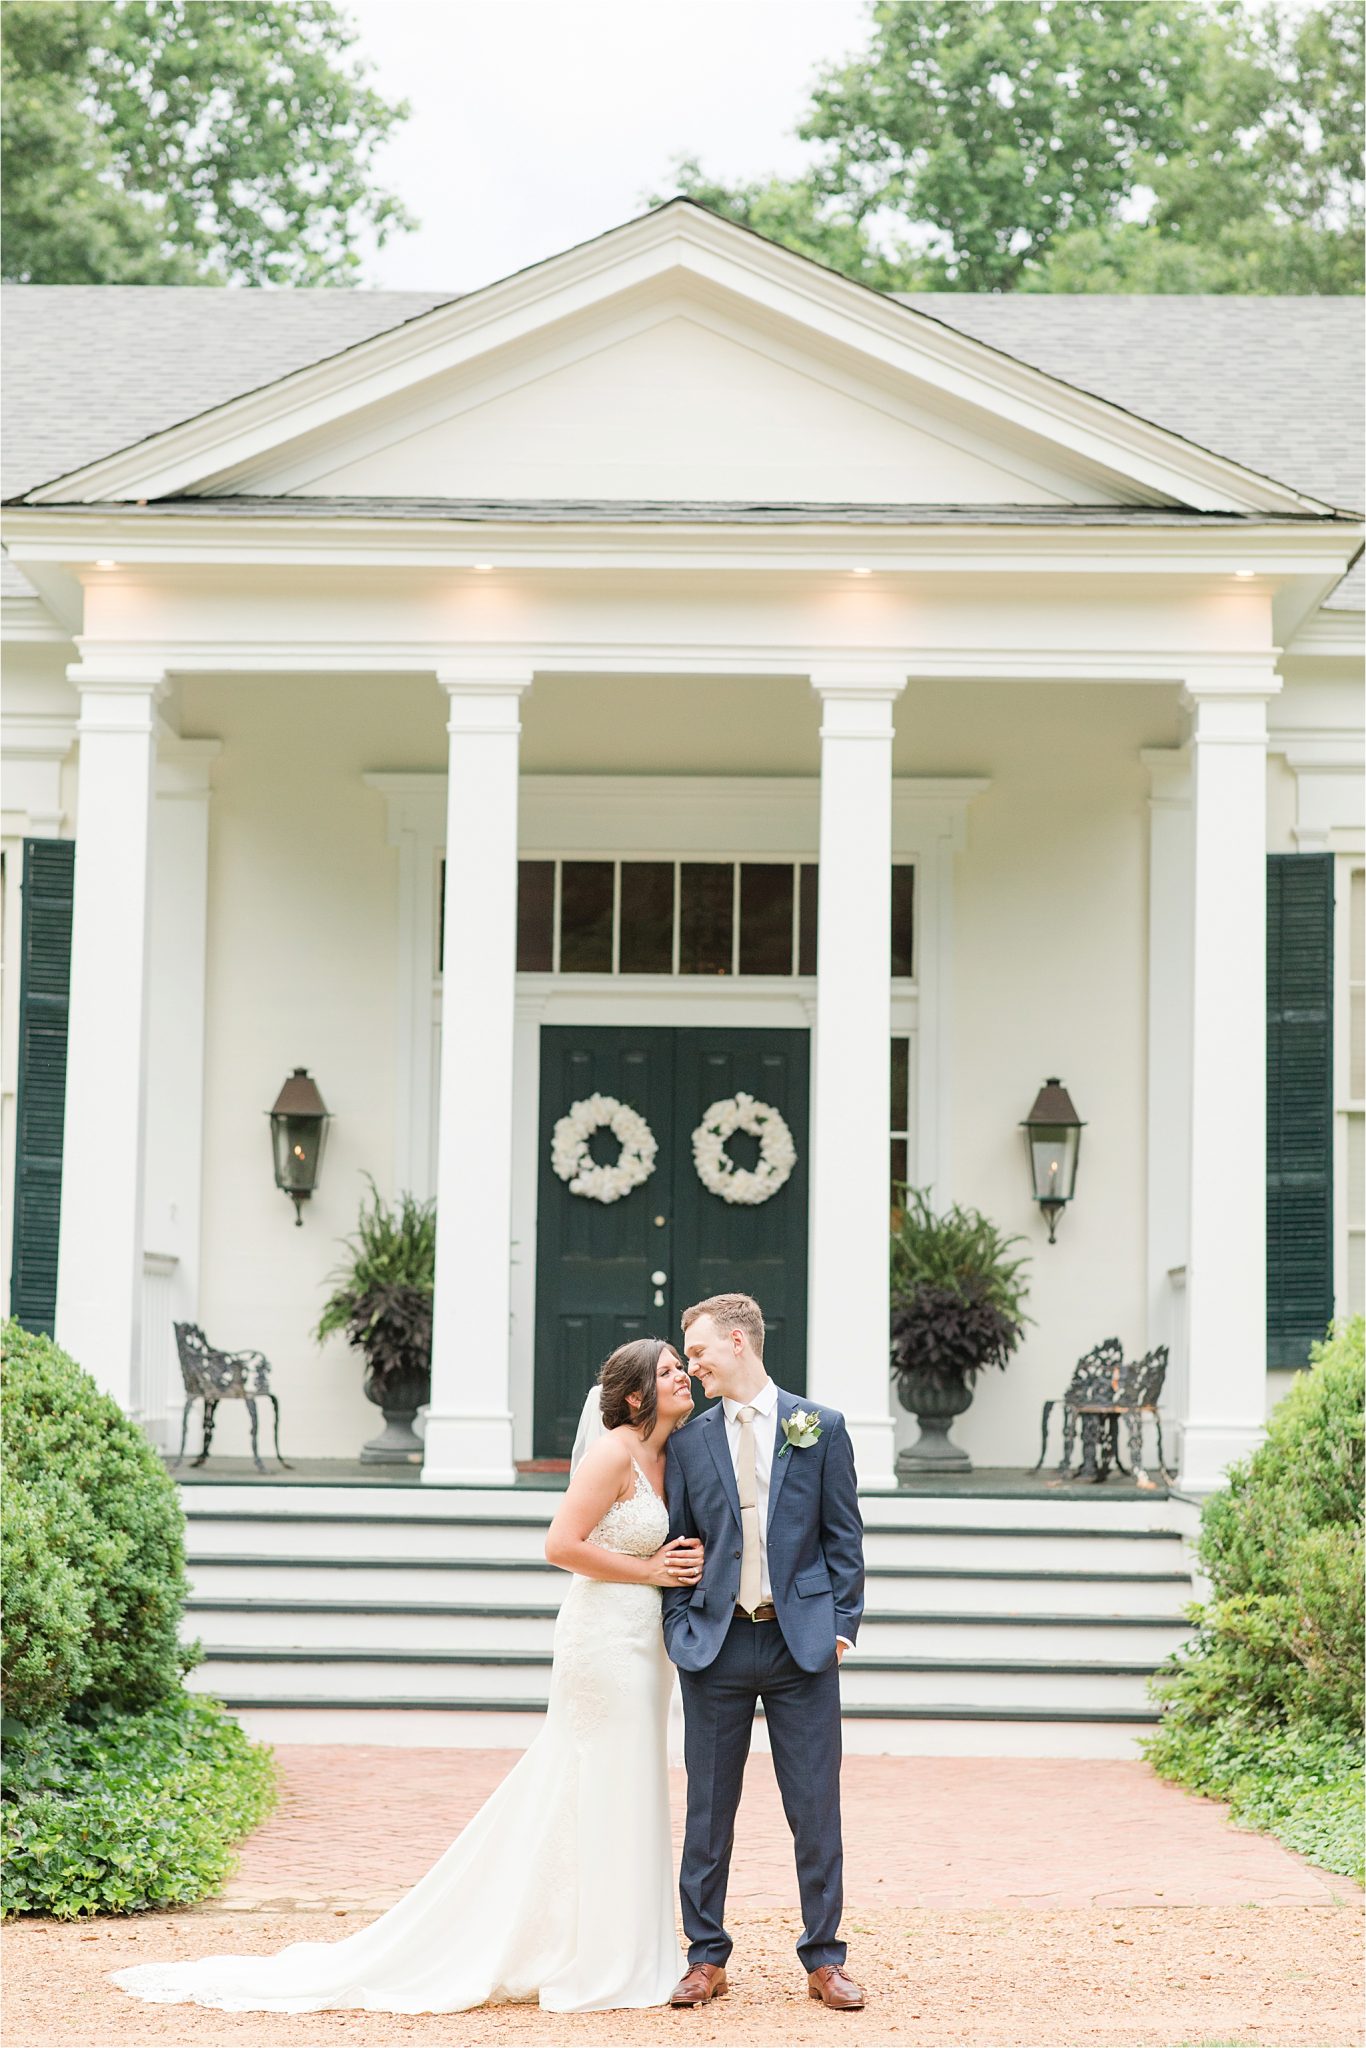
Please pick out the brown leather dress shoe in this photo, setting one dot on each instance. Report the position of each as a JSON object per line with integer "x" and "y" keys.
{"x": 834, "y": 1989}
{"x": 702, "y": 1982}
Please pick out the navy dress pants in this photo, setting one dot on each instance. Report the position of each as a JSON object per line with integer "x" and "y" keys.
{"x": 802, "y": 1709}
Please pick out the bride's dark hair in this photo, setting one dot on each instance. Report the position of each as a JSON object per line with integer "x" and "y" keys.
{"x": 632, "y": 1369}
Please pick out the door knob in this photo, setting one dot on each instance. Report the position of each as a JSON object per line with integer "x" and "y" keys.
{"x": 657, "y": 1280}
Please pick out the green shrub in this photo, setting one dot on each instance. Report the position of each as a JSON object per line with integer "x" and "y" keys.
{"x": 93, "y": 1552}
{"x": 1264, "y": 1707}
{"x": 129, "y": 1812}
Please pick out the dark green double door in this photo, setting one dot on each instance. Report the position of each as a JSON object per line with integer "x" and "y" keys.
{"x": 596, "y": 1262}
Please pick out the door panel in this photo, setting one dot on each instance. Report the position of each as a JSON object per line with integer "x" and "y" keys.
{"x": 594, "y": 1260}
{"x": 723, "y": 1247}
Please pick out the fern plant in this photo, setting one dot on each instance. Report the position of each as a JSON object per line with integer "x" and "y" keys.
{"x": 382, "y": 1291}
{"x": 958, "y": 1291}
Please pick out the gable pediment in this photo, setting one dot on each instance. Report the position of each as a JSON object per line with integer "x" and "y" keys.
{"x": 672, "y": 402}
{"x": 677, "y": 358}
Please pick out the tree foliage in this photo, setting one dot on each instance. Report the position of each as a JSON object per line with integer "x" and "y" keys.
{"x": 1080, "y": 145}
{"x": 188, "y": 141}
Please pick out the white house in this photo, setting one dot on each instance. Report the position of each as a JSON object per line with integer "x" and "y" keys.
{"x": 700, "y": 617}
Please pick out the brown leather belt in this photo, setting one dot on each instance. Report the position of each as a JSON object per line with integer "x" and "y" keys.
{"x": 765, "y": 1611}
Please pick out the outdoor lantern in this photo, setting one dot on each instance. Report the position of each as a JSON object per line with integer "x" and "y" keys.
{"x": 1053, "y": 1133}
{"x": 298, "y": 1130}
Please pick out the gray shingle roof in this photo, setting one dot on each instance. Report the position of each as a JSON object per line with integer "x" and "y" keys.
{"x": 1272, "y": 383}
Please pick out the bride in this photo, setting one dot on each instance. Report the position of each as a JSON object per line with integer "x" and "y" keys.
{"x": 531, "y": 1901}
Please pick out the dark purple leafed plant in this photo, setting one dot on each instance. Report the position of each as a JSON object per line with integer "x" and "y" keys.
{"x": 957, "y": 1294}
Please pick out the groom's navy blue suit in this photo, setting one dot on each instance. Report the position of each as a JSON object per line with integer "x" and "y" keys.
{"x": 727, "y": 1663}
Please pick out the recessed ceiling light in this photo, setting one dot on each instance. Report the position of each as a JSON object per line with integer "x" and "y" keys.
{"x": 106, "y": 565}
{"x": 483, "y": 567}
{"x": 860, "y": 572}
{"x": 1245, "y": 575}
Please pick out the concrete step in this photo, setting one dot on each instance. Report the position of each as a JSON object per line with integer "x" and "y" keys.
{"x": 1099, "y": 1512}
{"x": 449, "y": 1628}
{"x": 476, "y": 1724}
{"x": 466, "y": 1537}
{"x": 888, "y": 1684}
{"x": 521, "y": 1582}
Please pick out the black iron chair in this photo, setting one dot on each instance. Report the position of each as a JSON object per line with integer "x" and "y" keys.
{"x": 212, "y": 1376}
{"x": 1103, "y": 1392}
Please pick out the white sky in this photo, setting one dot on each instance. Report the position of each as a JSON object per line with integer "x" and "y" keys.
{"x": 538, "y": 123}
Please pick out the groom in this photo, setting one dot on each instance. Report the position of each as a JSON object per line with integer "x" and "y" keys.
{"x": 768, "y": 1484}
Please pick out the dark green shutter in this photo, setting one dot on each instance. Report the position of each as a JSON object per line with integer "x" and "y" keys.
{"x": 44, "y": 988}
{"x": 1299, "y": 1104}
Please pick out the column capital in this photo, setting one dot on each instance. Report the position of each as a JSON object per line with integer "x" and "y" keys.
{"x": 483, "y": 675}
{"x": 1244, "y": 676}
{"x": 111, "y": 675}
{"x": 855, "y": 681}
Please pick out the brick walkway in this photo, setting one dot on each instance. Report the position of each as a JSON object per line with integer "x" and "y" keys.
{"x": 357, "y": 1827}
{"x": 997, "y": 1904}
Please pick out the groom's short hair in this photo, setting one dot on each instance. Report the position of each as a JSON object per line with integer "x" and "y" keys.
{"x": 731, "y": 1312}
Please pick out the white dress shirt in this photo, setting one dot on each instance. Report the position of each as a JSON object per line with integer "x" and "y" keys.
{"x": 765, "y": 1426}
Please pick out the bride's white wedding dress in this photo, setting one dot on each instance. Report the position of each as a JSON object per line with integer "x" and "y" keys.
{"x": 530, "y": 1901}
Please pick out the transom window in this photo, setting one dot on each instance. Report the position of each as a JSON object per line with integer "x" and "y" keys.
{"x": 684, "y": 917}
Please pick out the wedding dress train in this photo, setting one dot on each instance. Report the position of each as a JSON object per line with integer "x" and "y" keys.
{"x": 561, "y": 1887}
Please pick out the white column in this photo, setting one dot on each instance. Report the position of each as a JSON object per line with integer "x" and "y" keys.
{"x": 177, "y": 952}
{"x": 851, "y": 1084}
{"x": 469, "y": 1420}
{"x": 1226, "y": 1280}
{"x": 1170, "y": 952}
{"x": 99, "y": 1265}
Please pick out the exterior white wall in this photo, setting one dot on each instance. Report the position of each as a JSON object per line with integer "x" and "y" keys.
{"x": 300, "y": 972}
{"x": 1050, "y": 909}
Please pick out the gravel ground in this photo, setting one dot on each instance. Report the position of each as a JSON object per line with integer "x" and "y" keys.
{"x": 1284, "y": 1976}
{"x": 991, "y": 1903}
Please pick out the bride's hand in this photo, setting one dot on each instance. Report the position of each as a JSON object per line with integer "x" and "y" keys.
{"x": 676, "y": 1564}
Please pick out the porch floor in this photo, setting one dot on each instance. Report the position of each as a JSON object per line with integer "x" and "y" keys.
{"x": 989, "y": 1482}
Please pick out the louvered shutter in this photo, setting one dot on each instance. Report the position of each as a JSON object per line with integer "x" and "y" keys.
{"x": 44, "y": 987}
{"x": 1299, "y": 1104}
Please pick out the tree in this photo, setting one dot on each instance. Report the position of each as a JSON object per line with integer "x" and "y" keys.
{"x": 1080, "y": 145}
{"x": 188, "y": 141}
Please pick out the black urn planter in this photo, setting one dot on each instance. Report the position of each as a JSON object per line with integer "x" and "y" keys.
{"x": 398, "y": 1395}
{"x": 934, "y": 1406}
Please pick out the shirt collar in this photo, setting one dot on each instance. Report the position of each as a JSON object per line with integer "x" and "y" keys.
{"x": 765, "y": 1401}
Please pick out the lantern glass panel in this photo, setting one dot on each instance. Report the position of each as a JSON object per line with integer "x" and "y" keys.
{"x": 298, "y": 1142}
{"x": 1053, "y": 1156}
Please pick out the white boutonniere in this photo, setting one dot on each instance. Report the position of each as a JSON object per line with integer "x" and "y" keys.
{"x": 801, "y": 1429}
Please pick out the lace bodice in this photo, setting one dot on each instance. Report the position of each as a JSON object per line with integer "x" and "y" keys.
{"x": 636, "y": 1525}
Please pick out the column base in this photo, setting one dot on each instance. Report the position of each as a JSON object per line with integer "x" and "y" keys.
{"x": 468, "y": 1450}
{"x": 1209, "y": 1448}
{"x": 874, "y": 1441}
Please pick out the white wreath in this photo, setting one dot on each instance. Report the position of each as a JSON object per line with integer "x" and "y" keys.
{"x": 718, "y": 1172}
{"x": 572, "y": 1160}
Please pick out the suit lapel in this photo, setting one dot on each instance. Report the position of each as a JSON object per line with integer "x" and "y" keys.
{"x": 713, "y": 1427}
{"x": 777, "y": 1471}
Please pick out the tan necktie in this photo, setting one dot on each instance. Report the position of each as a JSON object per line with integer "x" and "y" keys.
{"x": 750, "y": 1581}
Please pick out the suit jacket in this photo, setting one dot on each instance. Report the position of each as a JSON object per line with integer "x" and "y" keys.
{"x": 815, "y": 1538}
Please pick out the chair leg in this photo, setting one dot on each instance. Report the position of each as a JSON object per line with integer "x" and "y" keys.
{"x": 1069, "y": 1437}
{"x": 1133, "y": 1430}
{"x": 1048, "y": 1408}
{"x": 1161, "y": 1453}
{"x": 255, "y": 1453}
{"x": 209, "y": 1410}
{"x": 276, "y": 1406}
{"x": 1092, "y": 1443}
{"x": 184, "y": 1430}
